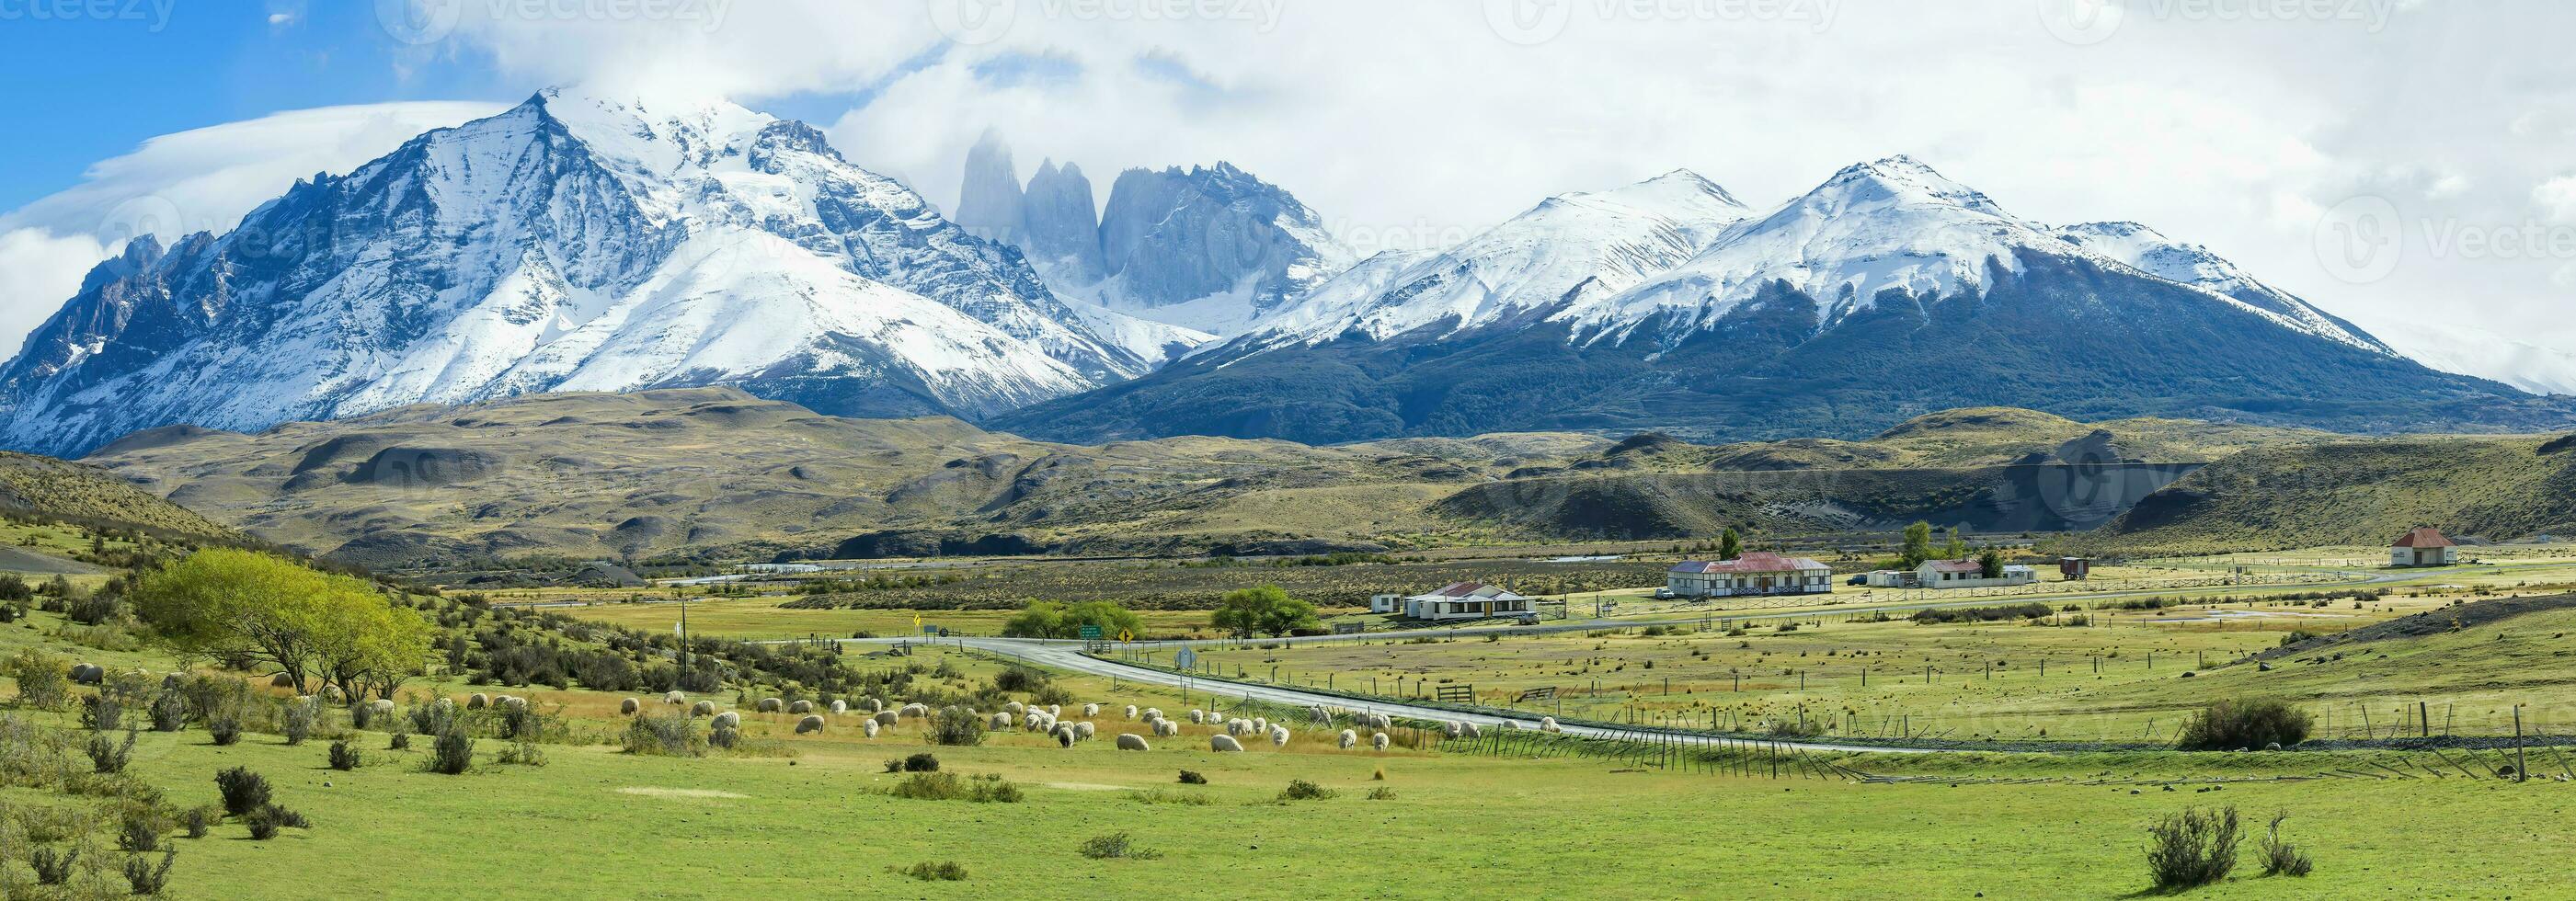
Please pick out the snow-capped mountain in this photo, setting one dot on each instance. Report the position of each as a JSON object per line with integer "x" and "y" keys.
{"x": 1209, "y": 251}
{"x": 1885, "y": 292}
{"x": 570, "y": 243}
{"x": 2530, "y": 363}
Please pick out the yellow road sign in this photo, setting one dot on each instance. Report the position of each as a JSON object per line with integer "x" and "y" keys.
{"x": 1126, "y": 635}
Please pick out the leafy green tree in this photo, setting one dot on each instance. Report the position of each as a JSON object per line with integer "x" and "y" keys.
{"x": 1991, "y": 564}
{"x": 1263, "y": 609}
{"x": 1918, "y": 545}
{"x": 317, "y": 628}
{"x": 1730, "y": 545}
{"x": 1958, "y": 548}
{"x": 1053, "y": 619}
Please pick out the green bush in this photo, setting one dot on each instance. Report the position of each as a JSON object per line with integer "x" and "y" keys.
{"x": 2240, "y": 724}
{"x": 44, "y": 680}
{"x": 243, "y": 791}
{"x": 343, "y": 757}
{"x": 2192, "y": 849}
{"x": 672, "y": 734}
{"x": 452, "y": 754}
{"x": 265, "y": 822}
{"x": 107, "y": 755}
{"x": 943, "y": 871}
{"x": 956, "y": 727}
{"x": 948, "y": 787}
{"x": 147, "y": 879}
{"x": 1302, "y": 790}
{"x": 1113, "y": 846}
{"x": 2280, "y": 858}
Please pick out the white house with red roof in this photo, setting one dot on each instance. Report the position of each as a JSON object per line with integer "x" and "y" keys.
{"x": 1952, "y": 574}
{"x": 1757, "y": 573}
{"x": 2423, "y": 546}
{"x": 1468, "y": 600}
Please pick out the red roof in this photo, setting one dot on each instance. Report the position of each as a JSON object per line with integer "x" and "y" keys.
{"x": 1756, "y": 562}
{"x": 1957, "y": 566}
{"x": 2423, "y": 537}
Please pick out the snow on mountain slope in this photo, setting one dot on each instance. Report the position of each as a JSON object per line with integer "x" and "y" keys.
{"x": 571, "y": 241}
{"x": 2531, "y": 366}
{"x": 1560, "y": 259}
{"x": 2191, "y": 264}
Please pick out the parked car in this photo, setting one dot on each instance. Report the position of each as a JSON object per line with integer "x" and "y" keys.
{"x": 1663, "y": 594}
{"x": 1862, "y": 579}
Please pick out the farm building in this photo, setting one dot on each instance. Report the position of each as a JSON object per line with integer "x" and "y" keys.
{"x": 2075, "y": 569}
{"x": 1469, "y": 600}
{"x": 2424, "y": 546}
{"x": 1951, "y": 574}
{"x": 1752, "y": 574}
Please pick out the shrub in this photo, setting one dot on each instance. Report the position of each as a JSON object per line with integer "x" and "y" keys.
{"x": 147, "y": 879}
{"x": 107, "y": 755}
{"x": 1302, "y": 790}
{"x": 1192, "y": 777}
{"x": 948, "y": 787}
{"x": 225, "y": 728}
{"x": 1052, "y": 694}
{"x": 401, "y": 741}
{"x": 102, "y": 712}
{"x": 2031, "y": 610}
{"x": 2192, "y": 849}
{"x": 199, "y": 820}
{"x": 169, "y": 711}
{"x": 894, "y": 765}
{"x": 1019, "y": 678}
{"x": 1115, "y": 845}
{"x": 943, "y": 871}
{"x": 42, "y": 678}
{"x": 343, "y": 757}
{"x": 725, "y": 735}
{"x": 140, "y": 831}
{"x": 924, "y": 762}
{"x": 956, "y": 728}
{"x": 1381, "y": 793}
{"x": 521, "y": 753}
{"x": 665, "y": 735}
{"x": 53, "y": 866}
{"x": 269, "y": 818}
{"x": 2244, "y": 724}
{"x": 299, "y": 719}
{"x": 452, "y": 754}
{"x": 244, "y": 791}
{"x": 1168, "y": 796}
{"x": 2280, "y": 858}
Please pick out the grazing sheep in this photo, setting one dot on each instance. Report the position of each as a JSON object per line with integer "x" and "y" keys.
{"x": 477, "y": 701}
{"x": 875, "y": 705}
{"x": 703, "y": 708}
{"x": 1237, "y": 726}
{"x": 1454, "y": 728}
{"x": 801, "y": 707}
{"x": 1260, "y": 724}
{"x": 840, "y": 707}
{"x": 280, "y": 680}
{"x": 726, "y": 720}
{"x": 913, "y": 711}
{"x": 629, "y": 706}
{"x": 1055, "y": 710}
{"x": 1380, "y": 722}
{"x": 771, "y": 705}
{"x": 1279, "y": 736}
{"x": 1223, "y": 743}
{"x": 810, "y": 723}
{"x": 1510, "y": 725}
{"x": 1469, "y": 730}
{"x": 1129, "y": 741}
{"x": 884, "y": 718}
{"x": 1350, "y": 739}
{"x": 1167, "y": 728}
{"x": 1000, "y": 721}
{"x": 1131, "y": 711}
{"x": 1378, "y": 741}
{"x": 1319, "y": 715}
{"x": 1198, "y": 717}
{"x": 675, "y": 698}
{"x": 1153, "y": 713}
{"x": 1547, "y": 724}
{"x": 1064, "y": 738}
{"x": 870, "y": 725}
{"x": 512, "y": 700}
{"x": 1014, "y": 708}
{"x": 93, "y": 674}
{"x": 1090, "y": 710}
{"x": 381, "y": 707}
{"x": 1083, "y": 729}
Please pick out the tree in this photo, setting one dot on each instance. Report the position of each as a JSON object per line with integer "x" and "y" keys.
{"x": 1990, "y": 564}
{"x": 1729, "y": 545}
{"x": 1958, "y": 549}
{"x": 1053, "y": 619}
{"x": 1918, "y": 545}
{"x": 1263, "y": 609}
{"x": 315, "y": 627}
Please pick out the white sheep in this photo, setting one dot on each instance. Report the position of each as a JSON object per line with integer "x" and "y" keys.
{"x": 1014, "y": 708}
{"x": 383, "y": 707}
{"x": 1547, "y": 724}
{"x": 1129, "y": 741}
{"x": 1198, "y": 717}
{"x": 1469, "y": 730}
{"x": 1350, "y": 739}
{"x": 674, "y": 698}
{"x": 1083, "y": 729}
{"x": 726, "y": 720}
{"x": 1063, "y": 737}
{"x": 801, "y": 707}
{"x": 1090, "y": 710}
{"x": 884, "y": 718}
{"x": 810, "y": 723}
{"x": 771, "y": 705}
{"x": 870, "y": 725}
{"x": 1055, "y": 710}
{"x": 1000, "y": 721}
{"x": 840, "y": 707}
{"x": 913, "y": 711}
{"x": 1278, "y": 736}
{"x": 1167, "y": 728}
{"x": 1454, "y": 728}
{"x": 512, "y": 700}
{"x": 1378, "y": 741}
{"x": 1238, "y": 726}
{"x": 1131, "y": 711}
{"x": 1260, "y": 724}
{"x": 629, "y": 707}
{"x": 1223, "y": 743}
{"x": 875, "y": 705}
{"x": 1153, "y": 713}
{"x": 702, "y": 708}
{"x": 477, "y": 701}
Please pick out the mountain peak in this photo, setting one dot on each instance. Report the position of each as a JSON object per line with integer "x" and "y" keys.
{"x": 1901, "y": 179}
{"x": 1678, "y": 194}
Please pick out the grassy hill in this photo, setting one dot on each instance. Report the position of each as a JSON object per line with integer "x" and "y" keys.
{"x": 43, "y": 489}
{"x": 2357, "y": 492}
{"x": 716, "y": 472}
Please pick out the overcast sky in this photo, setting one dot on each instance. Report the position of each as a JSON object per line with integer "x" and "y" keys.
{"x": 2395, "y": 161}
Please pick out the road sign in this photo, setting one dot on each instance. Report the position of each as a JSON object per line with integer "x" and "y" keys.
{"x": 1185, "y": 659}
{"x": 1090, "y": 633}
{"x": 1126, "y": 635}
{"x": 927, "y": 630}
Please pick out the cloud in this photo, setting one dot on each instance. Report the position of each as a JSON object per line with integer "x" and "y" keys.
{"x": 200, "y": 180}
{"x": 2557, "y": 197}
